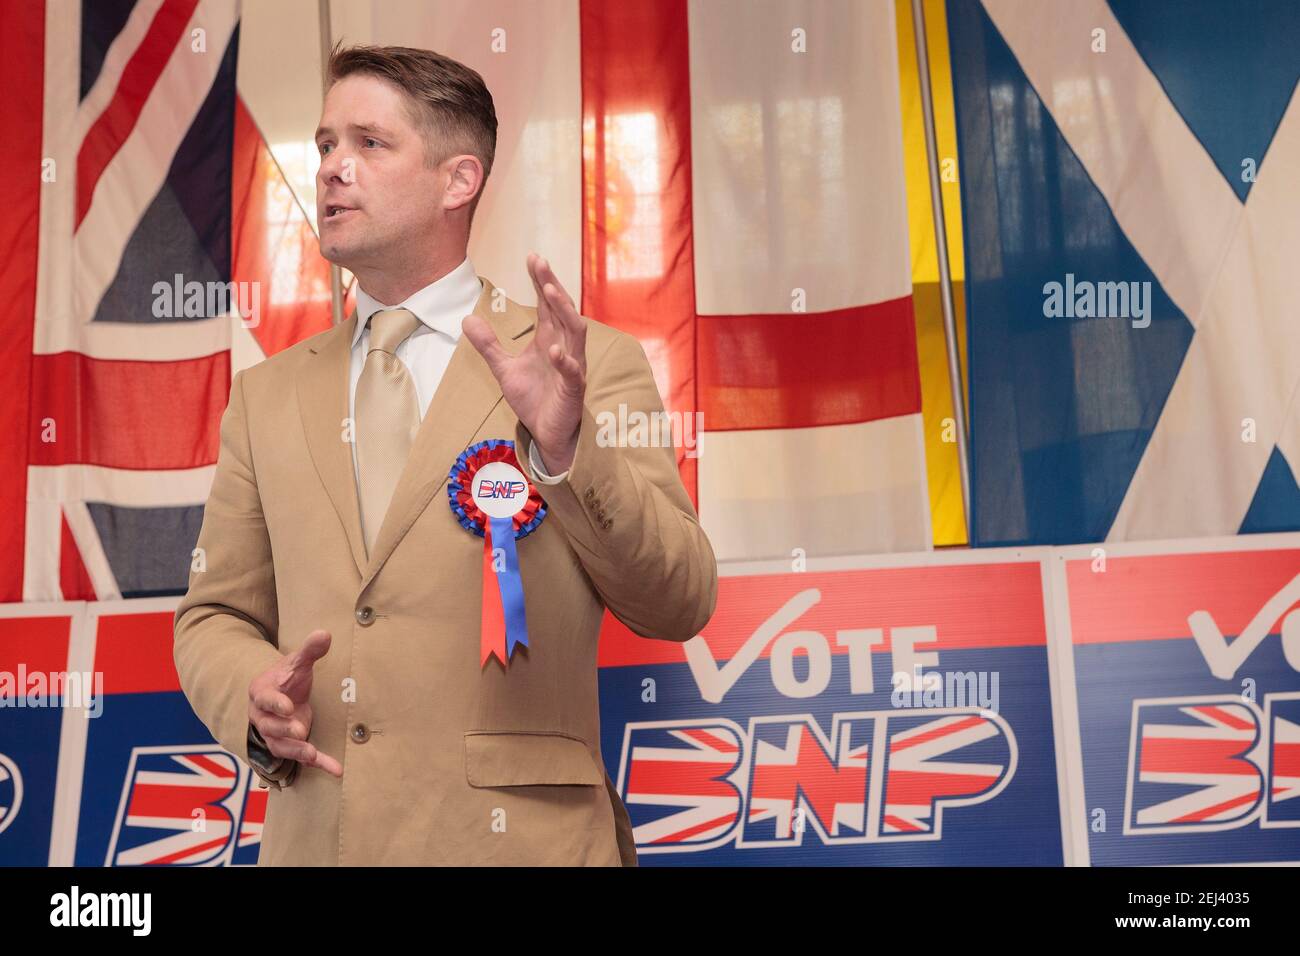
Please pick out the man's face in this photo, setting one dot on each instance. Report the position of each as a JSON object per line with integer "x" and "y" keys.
{"x": 376, "y": 200}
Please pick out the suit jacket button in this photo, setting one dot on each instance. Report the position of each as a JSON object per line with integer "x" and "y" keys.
{"x": 605, "y": 524}
{"x": 366, "y": 616}
{"x": 588, "y": 494}
{"x": 360, "y": 733}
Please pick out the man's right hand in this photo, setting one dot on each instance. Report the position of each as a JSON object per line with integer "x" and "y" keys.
{"x": 279, "y": 705}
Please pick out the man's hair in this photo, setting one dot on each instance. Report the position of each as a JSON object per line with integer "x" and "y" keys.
{"x": 447, "y": 100}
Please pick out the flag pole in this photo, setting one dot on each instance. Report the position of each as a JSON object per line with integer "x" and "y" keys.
{"x": 941, "y": 247}
{"x": 336, "y": 275}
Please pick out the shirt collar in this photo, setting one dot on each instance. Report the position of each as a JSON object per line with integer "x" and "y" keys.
{"x": 441, "y": 305}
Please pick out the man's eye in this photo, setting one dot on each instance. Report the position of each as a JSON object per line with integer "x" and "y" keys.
{"x": 324, "y": 148}
{"x": 370, "y": 139}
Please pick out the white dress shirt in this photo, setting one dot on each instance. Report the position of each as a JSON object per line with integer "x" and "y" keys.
{"x": 440, "y": 307}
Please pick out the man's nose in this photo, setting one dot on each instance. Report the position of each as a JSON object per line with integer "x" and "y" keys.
{"x": 333, "y": 168}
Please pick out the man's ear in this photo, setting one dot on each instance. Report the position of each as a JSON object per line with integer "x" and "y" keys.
{"x": 464, "y": 181}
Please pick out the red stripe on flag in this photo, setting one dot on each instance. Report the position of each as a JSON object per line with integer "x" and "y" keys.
{"x": 1214, "y": 811}
{"x": 190, "y": 852}
{"x": 935, "y": 734}
{"x": 22, "y": 78}
{"x": 638, "y": 252}
{"x": 136, "y": 83}
{"x": 638, "y": 249}
{"x": 1286, "y": 760}
{"x": 914, "y": 787}
{"x": 272, "y": 242}
{"x": 254, "y": 809}
{"x": 212, "y": 766}
{"x": 126, "y": 413}
{"x": 1177, "y": 755}
{"x": 685, "y": 834}
{"x": 174, "y": 802}
{"x": 804, "y": 370}
{"x": 74, "y": 579}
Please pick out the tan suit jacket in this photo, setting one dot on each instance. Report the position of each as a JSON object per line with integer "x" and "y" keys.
{"x": 445, "y": 762}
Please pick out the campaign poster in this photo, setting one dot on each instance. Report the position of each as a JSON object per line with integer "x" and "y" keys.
{"x": 40, "y": 690}
{"x": 155, "y": 788}
{"x": 876, "y": 711}
{"x": 1181, "y": 689}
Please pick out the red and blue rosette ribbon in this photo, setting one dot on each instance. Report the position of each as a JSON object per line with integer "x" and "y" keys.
{"x": 504, "y": 624}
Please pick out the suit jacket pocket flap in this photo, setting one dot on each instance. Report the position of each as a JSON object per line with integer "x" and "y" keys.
{"x": 497, "y": 759}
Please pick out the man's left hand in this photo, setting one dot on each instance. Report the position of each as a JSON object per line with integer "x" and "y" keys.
{"x": 545, "y": 383}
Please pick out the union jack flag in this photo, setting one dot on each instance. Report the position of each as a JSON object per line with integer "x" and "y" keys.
{"x": 183, "y": 806}
{"x": 156, "y": 184}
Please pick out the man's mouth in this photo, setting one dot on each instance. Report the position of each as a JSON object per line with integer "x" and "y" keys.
{"x": 334, "y": 212}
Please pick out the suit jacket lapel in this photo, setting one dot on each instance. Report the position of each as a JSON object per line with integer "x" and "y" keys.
{"x": 323, "y": 406}
{"x": 467, "y": 394}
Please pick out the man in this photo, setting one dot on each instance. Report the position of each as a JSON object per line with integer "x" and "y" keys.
{"x": 334, "y": 630}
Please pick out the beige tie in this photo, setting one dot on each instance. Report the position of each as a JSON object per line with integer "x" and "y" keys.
{"x": 388, "y": 417}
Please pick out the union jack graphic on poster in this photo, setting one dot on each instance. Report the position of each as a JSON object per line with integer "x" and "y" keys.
{"x": 150, "y": 786}
{"x": 1192, "y": 764}
{"x": 706, "y": 788}
{"x": 187, "y": 806}
{"x": 684, "y": 770}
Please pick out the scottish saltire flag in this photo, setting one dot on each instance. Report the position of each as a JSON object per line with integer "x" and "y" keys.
{"x": 160, "y": 248}
{"x": 805, "y": 330}
{"x": 1131, "y": 204}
